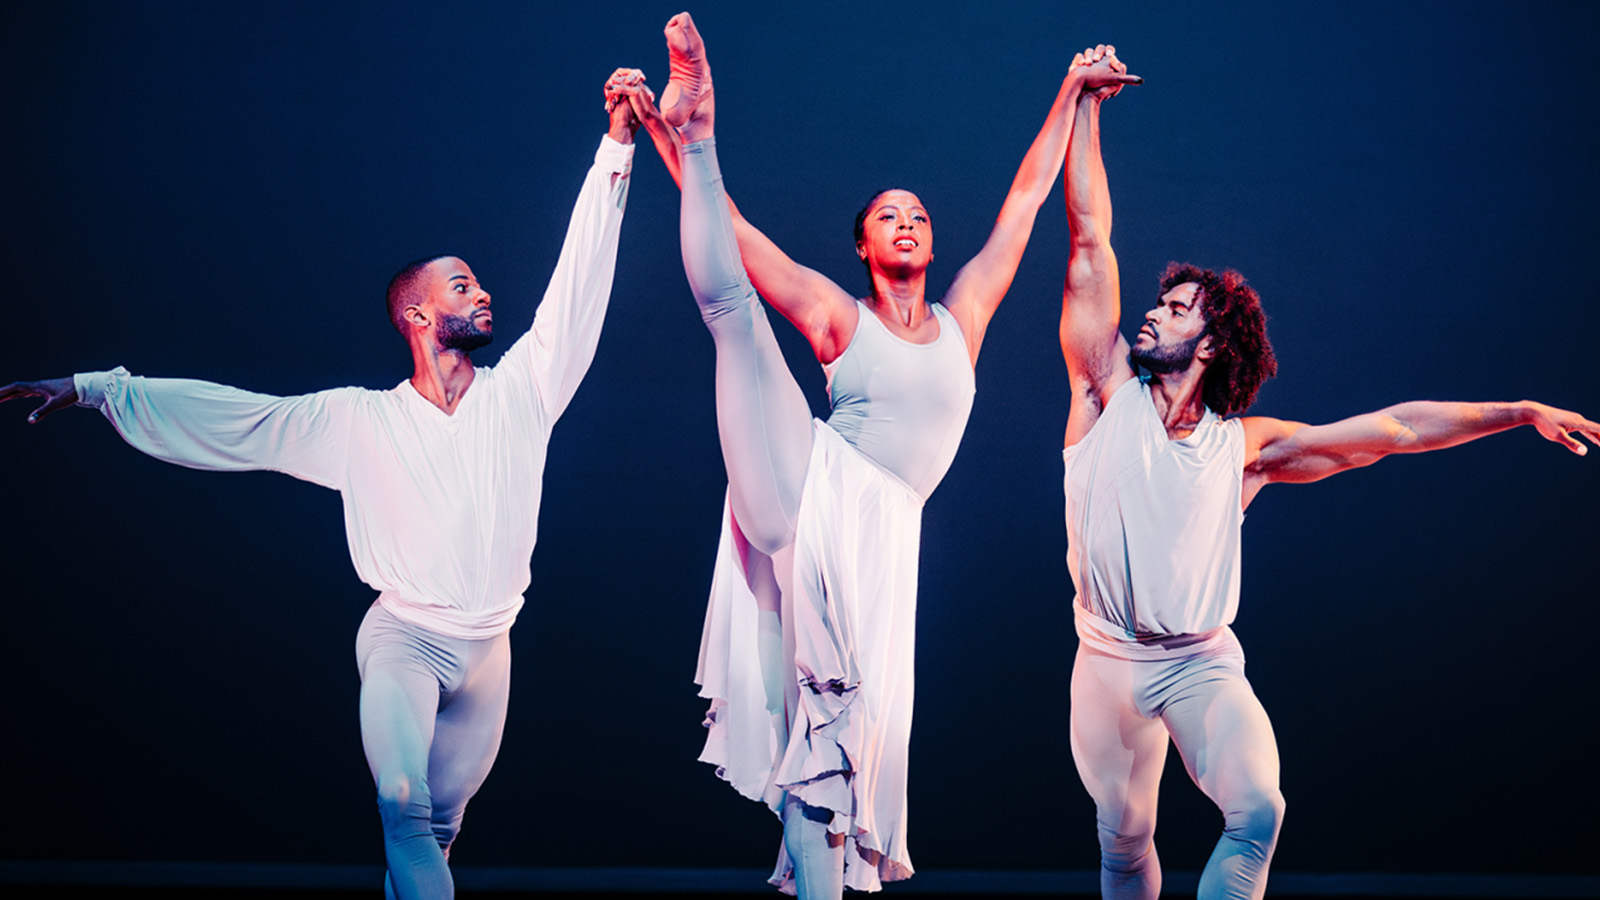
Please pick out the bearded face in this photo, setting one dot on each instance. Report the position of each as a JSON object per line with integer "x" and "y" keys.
{"x": 1164, "y": 359}
{"x": 461, "y": 333}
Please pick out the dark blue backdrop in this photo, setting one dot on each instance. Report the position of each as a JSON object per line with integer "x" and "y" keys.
{"x": 221, "y": 191}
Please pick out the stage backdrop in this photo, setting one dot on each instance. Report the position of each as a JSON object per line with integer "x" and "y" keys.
{"x": 222, "y": 191}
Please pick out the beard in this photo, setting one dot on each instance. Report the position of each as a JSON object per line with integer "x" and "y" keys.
{"x": 1160, "y": 360}
{"x": 461, "y": 333}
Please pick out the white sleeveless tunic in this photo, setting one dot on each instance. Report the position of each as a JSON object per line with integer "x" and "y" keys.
{"x": 808, "y": 655}
{"x": 1153, "y": 524}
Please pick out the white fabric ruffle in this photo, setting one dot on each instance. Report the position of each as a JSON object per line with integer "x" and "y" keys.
{"x": 807, "y": 659}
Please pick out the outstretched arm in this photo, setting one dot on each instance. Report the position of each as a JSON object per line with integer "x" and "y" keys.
{"x": 209, "y": 426}
{"x": 1091, "y": 304}
{"x": 982, "y": 283}
{"x": 1295, "y": 452}
{"x": 823, "y": 311}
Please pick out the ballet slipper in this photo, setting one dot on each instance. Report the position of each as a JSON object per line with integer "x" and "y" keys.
{"x": 686, "y": 103}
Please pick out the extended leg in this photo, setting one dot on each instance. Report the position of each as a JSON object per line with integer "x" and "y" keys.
{"x": 1227, "y": 745}
{"x": 1119, "y": 754}
{"x": 763, "y": 420}
{"x": 762, "y": 416}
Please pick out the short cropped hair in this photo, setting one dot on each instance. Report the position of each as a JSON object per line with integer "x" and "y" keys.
{"x": 1243, "y": 358}
{"x": 404, "y": 287}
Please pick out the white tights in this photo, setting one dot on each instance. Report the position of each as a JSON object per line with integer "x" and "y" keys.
{"x": 765, "y": 427}
{"x": 762, "y": 416}
{"x": 1124, "y": 710}
{"x": 818, "y": 857}
{"x": 433, "y": 709}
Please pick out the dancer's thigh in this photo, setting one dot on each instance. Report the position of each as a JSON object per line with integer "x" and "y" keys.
{"x": 1118, "y": 751}
{"x": 399, "y": 700}
{"x": 469, "y": 727}
{"x": 765, "y": 429}
{"x": 1224, "y": 736}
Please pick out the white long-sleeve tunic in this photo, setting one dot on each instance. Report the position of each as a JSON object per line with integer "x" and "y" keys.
{"x": 441, "y": 510}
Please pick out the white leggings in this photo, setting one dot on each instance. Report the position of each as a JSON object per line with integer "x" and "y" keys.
{"x": 764, "y": 424}
{"x": 1124, "y": 710}
{"x": 433, "y": 709}
{"x": 762, "y": 416}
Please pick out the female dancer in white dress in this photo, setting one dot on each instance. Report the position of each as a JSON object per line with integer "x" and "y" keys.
{"x": 807, "y": 651}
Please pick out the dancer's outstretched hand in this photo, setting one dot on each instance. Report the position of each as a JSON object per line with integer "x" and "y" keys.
{"x": 1103, "y": 74}
{"x": 58, "y": 393}
{"x": 623, "y": 84}
{"x": 1560, "y": 425}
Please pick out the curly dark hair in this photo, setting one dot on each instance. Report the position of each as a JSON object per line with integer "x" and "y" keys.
{"x": 1243, "y": 358}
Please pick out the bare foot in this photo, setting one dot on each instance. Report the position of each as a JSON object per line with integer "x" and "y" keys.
{"x": 686, "y": 104}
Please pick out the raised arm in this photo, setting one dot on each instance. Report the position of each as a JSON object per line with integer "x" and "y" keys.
{"x": 1295, "y": 452}
{"x": 566, "y": 329}
{"x": 1091, "y": 302}
{"x": 982, "y": 283}
{"x": 819, "y": 308}
{"x": 823, "y": 311}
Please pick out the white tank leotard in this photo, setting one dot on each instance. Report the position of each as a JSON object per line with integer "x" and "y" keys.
{"x": 904, "y": 405}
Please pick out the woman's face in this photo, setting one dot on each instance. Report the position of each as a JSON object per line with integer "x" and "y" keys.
{"x": 896, "y": 235}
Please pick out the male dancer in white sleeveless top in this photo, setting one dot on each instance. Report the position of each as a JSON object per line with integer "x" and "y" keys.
{"x": 1156, "y": 485}
{"x": 441, "y": 484}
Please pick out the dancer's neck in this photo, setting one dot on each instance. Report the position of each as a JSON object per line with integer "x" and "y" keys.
{"x": 900, "y": 299}
{"x": 442, "y": 376}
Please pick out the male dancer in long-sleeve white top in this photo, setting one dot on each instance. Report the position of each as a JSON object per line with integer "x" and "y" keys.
{"x": 440, "y": 478}
{"x": 1156, "y": 485}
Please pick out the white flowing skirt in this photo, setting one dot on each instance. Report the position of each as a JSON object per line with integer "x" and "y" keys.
{"x": 807, "y": 659}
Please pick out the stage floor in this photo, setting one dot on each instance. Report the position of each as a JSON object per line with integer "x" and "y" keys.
{"x": 126, "y": 880}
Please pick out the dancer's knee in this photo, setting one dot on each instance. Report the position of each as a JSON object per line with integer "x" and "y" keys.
{"x": 767, "y": 532}
{"x": 404, "y": 805}
{"x": 1256, "y": 818}
{"x": 1127, "y": 849}
{"x": 728, "y": 306}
